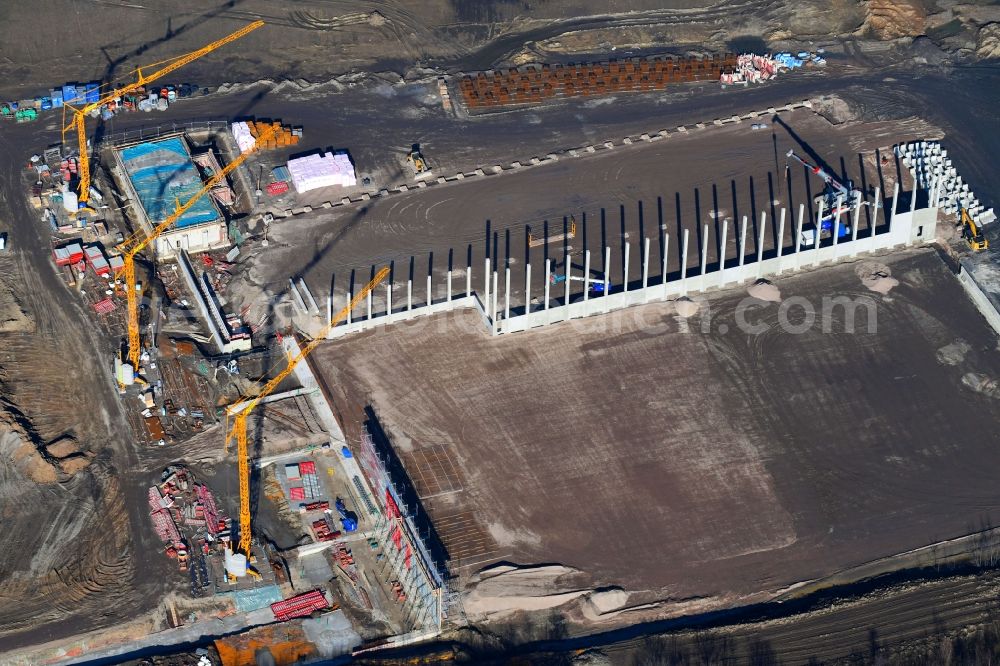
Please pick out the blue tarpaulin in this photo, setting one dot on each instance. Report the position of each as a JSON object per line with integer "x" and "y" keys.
{"x": 163, "y": 174}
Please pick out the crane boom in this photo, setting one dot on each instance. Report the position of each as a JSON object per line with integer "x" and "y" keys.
{"x": 830, "y": 181}
{"x": 239, "y": 429}
{"x": 79, "y": 114}
{"x": 138, "y": 241}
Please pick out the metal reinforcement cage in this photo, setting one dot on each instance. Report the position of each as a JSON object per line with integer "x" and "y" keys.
{"x": 417, "y": 569}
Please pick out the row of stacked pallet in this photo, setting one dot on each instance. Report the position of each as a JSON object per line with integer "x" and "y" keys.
{"x": 534, "y": 83}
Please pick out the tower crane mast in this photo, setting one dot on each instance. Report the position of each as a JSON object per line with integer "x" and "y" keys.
{"x": 241, "y": 411}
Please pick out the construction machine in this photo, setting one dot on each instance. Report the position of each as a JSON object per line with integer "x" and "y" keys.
{"x": 242, "y": 410}
{"x": 972, "y": 234}
{"x": 80, "y": 112}
{"x": 417, "y": 161}
{"x": 837, "y": 200}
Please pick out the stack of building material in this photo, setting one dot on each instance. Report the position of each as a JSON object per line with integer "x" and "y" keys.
{"x": 302, "y": 605}
{"x": 245, "y": 140}
{"x": 297, "y": 493}
{"x": 932, "y": 170}
{"x": 322, "y": 170}
{"x": 281, "y": 137}
{"x": 209, "y": 508}
{"x": 163, "y": 522}
{"x": 309, "y": 481}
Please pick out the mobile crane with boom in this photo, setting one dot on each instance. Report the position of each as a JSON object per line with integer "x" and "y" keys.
{"x": 836, "y": 200}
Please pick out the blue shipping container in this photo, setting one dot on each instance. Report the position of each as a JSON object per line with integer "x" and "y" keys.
{"x": 46, "y": 103}
{"x": 81, "y": 94}
{"x": 69, "y": 94}
{"x": 93, "y": 93}
{"x": 57, "y": 98}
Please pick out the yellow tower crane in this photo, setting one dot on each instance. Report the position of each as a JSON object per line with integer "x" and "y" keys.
{"x": 242, "y": 410}
{"x": 80, "y": 113}
{"x": 138, "y": 241}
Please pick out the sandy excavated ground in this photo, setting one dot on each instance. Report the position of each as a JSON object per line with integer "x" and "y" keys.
{"x": 688, "y": 459}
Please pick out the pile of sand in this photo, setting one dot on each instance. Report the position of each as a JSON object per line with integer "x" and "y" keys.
{"x": 506, "y": 589}
{"x": 981, "y": 384}
{"x": 953, "y": 353}
{"x": 763, "y": 290}
{"x": 686, "y": 307}
{"x": 876, "y": 277}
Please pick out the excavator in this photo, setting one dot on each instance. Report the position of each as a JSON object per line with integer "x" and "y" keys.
{"x": 972, "y": 234}
{"x": 836, "y": 199}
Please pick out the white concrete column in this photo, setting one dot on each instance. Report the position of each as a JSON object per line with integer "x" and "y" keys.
{"x": 666, "y": 255}
{"x": 798, "y": 236}
{"x": 913, "y": 196}
{"x": 409, "y": 294}
{"x": 430, "y": 298}
{"x": 645, "y": 264}
{"x": 569, "y": 275}
{"x": 607, "y": 275}
{"x": 548, "y": 278}
{"x": 895, "y": 199}
{"x": 854, "y": 223}
{"x": 350, "y": 297}
{"x": 388, "y": 299}
{"x": 486, "y": 293}
{"x": 836, "y": 221}
{"x": 871, "y": 234}
{"x": 586, "y": 276}
{"x": 817, "y": 237}
{"x": 743, "y": 243}
{"x": 625, "y": 267}
{"x": 448, "y": 293}
{"x": 369, "y": 299}
{"x": 493, "y": 304}
{"x": 722, "y": 252}
{"x": 781, "y": 237}
{"x": 684, "y": 263}
{"x": 527, "y": 289}
{"x": 329, "y": 307}
{"x": 760, "y": 244}
{"x": 704, "y": 251}
{"x": 506, "y": 294}
{"x": 468, "y": 280}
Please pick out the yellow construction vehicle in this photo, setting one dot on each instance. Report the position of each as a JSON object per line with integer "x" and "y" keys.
{"x": 972, "y": 233}
{"x": 241, "y": 410}
{"x": 80, "y": 113}
{"x": 139, "y": 241}
{"x": 417, "y": 161}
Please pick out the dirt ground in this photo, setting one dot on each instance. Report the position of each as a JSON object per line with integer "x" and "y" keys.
{"x": 702, "y": 462}
{"x": 70, "y": 40}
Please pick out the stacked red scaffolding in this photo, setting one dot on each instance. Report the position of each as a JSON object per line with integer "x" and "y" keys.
{"x": 300, "y": 606}
{"x": 208, "y": 504}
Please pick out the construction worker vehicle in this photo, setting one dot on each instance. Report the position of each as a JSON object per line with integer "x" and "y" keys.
{"x": 972, "y": 234}
{"x": 417, "y": 161}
